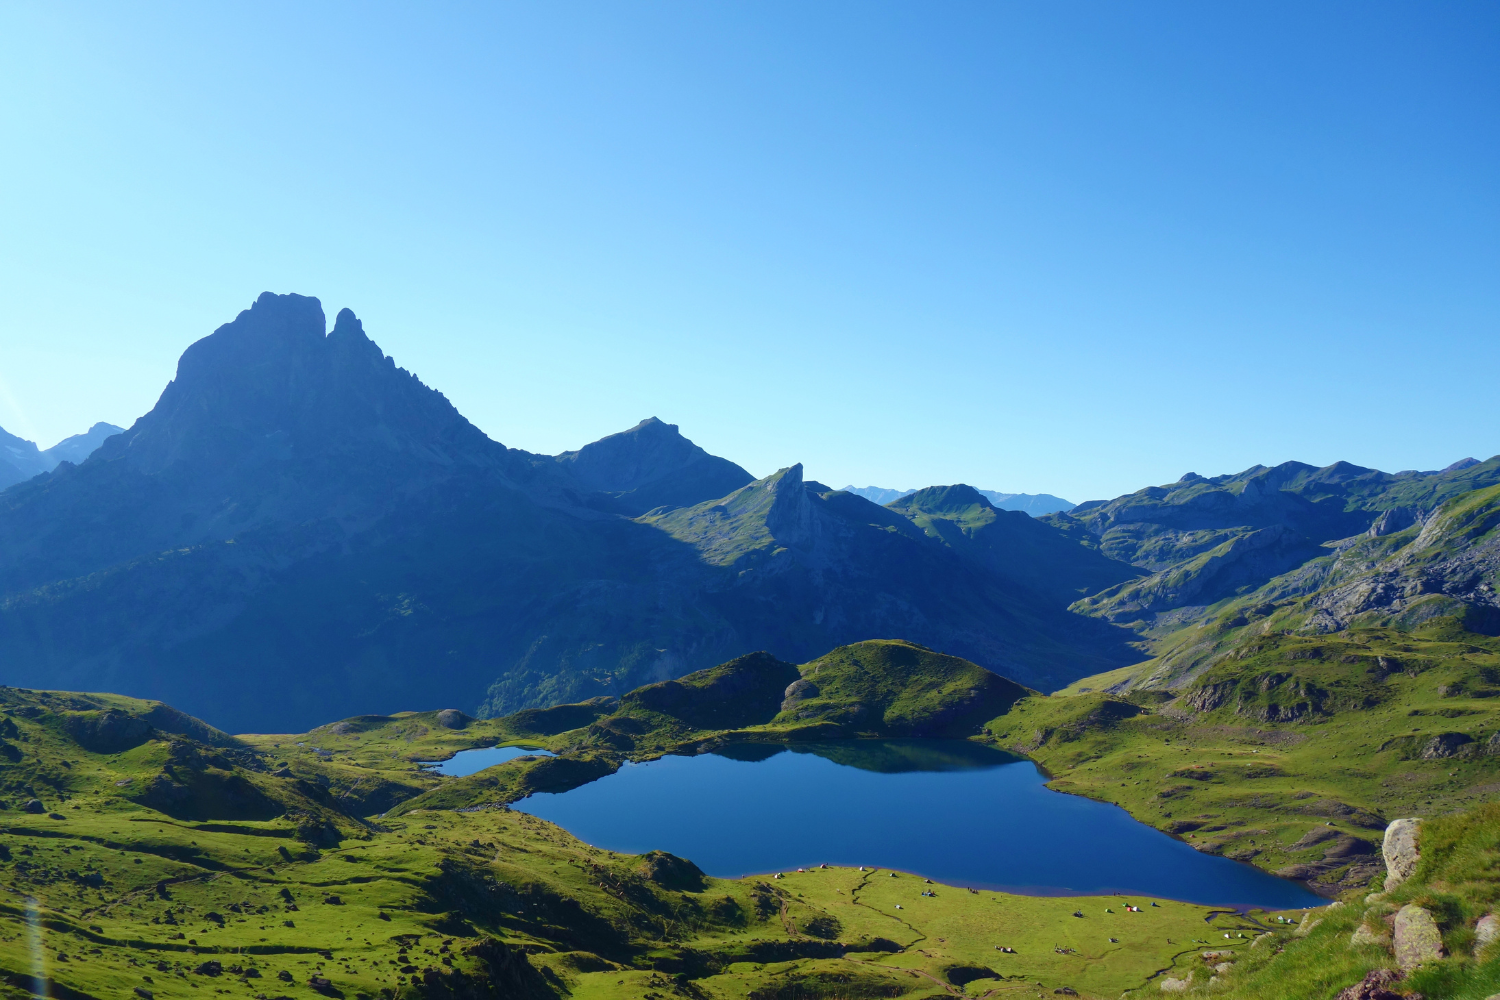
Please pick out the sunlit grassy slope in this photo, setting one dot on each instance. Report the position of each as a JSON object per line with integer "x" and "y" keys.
{"x": 1350, "y": 729}
{"x": 272, "y": 887}
{"x": 161, "y": 857}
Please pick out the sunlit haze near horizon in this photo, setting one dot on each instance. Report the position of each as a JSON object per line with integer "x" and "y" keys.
{"x": 1065, "y": 248}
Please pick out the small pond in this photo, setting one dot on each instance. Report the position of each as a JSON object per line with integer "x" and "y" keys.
{"x": 949, "y": 810}
{"x": 467, "y": 762}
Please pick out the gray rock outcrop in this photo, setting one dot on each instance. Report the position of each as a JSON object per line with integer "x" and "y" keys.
{"x": 1445, "y": 745}
{"x": 1417, "y": 938}
{"x": 1394, "y": 520}
{"x": 1400, "y": 850}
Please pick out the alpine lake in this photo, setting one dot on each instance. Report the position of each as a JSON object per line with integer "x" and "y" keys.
{"x": 953, "y": 811}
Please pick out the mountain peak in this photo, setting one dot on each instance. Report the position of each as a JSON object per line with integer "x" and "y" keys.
{"x": 272, "y": 386}
{"x": 946, "y": 499}
{"x": 652, "y": 465}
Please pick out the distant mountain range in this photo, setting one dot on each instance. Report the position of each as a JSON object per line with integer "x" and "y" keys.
{"x": 300, "y": 530}
{"x": 1035, "y": 504}
{"x": 21, "y": 459}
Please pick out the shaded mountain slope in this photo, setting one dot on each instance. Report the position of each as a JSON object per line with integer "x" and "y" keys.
{"x": 1059, "y": 560}
{"x": 851, "y": 569}
{"x": 21, "y": 459}
{"x": 268, "y": 425}
{"x": 652, "y": 465}
{"x": 78, "y": 447}
{"x": 301, "y": 527}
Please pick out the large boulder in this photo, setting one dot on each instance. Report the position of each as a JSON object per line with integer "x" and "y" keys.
{"x": 1487, "y": 930}
{"x": 1417, "y": 937}
{"x": 452, "y": 718}
{"x": 1400, "y": 850}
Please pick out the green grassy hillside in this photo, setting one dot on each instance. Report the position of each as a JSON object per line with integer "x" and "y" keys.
{"x": 894, "y": 688}
{"x": 144, "y": 853}
{"x": 1457, "y": 880}
{"x": 264, "y": 879}
{"x": 1294, "y": 754}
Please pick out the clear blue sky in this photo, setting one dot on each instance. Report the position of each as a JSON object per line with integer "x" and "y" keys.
{"x": 1073, "y": 248}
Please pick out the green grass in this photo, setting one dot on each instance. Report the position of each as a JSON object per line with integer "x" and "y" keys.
{"x": 146, "y": 833}
{"x": 105, "y": 895}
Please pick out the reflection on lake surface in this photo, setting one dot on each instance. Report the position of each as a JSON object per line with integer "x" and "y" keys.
{"x": 950, "y": 810}
{"x": 467, "y": 762}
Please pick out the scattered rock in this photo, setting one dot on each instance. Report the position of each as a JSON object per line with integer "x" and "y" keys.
{"x": 1176, "y": 985}
{"x": 144, "y": 993}
{"x": 209, "y": 969}
{"x": 1223, "y": 967}
{"x": 1487, "y": 930}
{"x": 1307, "y": 925}
{"x": 1417, "y": 937}
{"x": 1400, "y": 850}
{"x": 1364, "y": 935}
{"x": 34, "y": 806}
{"x": 1373, "y": 986}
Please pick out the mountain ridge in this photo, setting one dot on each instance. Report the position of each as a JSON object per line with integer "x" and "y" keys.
{"x": 300, "y": 515}
{"x": 21, "y": 459}
{"x": 1035, "y": 504}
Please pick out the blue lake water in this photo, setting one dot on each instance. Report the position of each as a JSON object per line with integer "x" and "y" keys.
{"x": 467, "y": 762}
{"x": 952, "y": 811}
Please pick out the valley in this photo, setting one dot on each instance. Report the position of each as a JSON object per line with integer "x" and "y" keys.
{"x": 160, "y": 854}
{"x": 1264, "y": 670}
